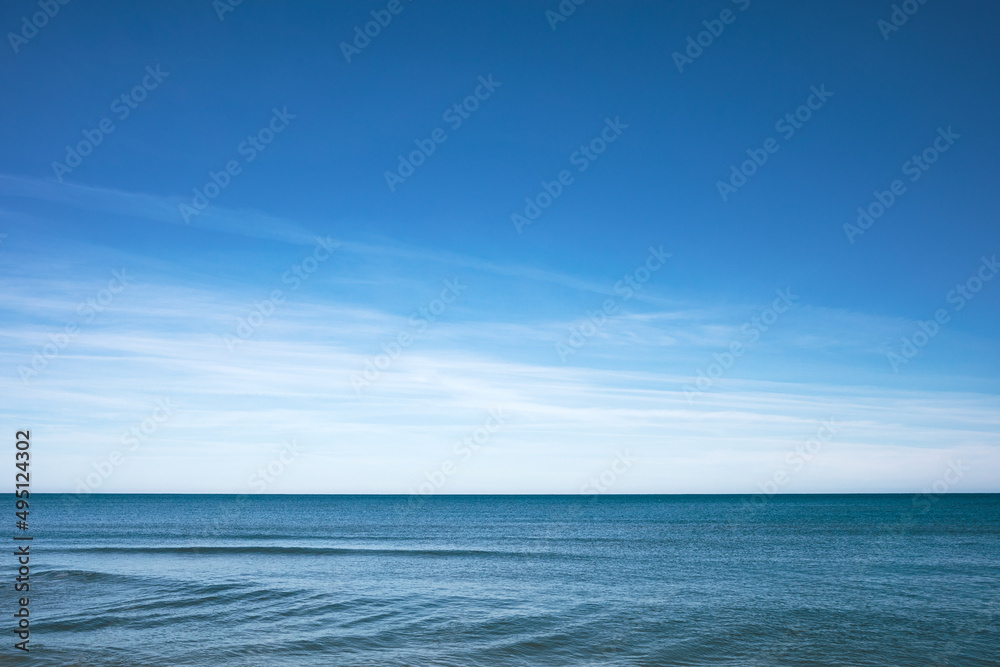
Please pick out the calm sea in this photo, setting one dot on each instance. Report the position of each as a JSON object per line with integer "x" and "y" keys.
{"x": 511, "y": 580}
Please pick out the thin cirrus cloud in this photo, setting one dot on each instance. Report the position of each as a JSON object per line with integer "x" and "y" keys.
{"x": 163, "y": 338}
{"x": 234, "y": 409}
{"x": 156, "y": 208}
{"x": 258, "y": 225}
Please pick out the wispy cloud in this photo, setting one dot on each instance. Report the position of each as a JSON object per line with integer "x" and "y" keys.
{"x": 293, "y": 381}
{"x": 164, "y": 338}
{"x": 154, "y": 208}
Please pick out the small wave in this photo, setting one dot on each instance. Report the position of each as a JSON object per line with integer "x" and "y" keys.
{"x": 301, "y": 550}
{"x": 84, "y": 576}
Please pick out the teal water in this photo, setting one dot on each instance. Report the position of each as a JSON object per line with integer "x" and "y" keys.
{"x": 512, "y": 580}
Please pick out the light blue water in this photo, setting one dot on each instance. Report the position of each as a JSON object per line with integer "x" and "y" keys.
{"x": 511, "y": 580}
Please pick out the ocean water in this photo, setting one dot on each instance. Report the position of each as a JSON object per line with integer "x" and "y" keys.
{"x": 511, "y": 580}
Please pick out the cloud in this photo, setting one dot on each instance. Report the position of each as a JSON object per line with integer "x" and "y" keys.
{"x": 164, "y": 338}
{"x": 292, "y": 380}
{"x": 154, "y": 208}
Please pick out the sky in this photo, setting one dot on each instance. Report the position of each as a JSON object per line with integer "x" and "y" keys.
{"x": 520, "y": 247}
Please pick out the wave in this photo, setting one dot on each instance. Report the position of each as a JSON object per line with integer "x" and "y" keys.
{"x": 302, "y": 550}
{"x": 83, "y": 576}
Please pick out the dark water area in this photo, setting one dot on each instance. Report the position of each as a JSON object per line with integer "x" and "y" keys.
{"x": 510, "y": 580}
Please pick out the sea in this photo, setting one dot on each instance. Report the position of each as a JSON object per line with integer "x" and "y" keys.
{"x": 215, "y": 580}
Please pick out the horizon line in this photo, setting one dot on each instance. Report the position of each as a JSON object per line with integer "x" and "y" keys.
{"x": 477, "y": 495}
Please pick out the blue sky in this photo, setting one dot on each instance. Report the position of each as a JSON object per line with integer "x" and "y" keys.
{"x": 308, "y": 234}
